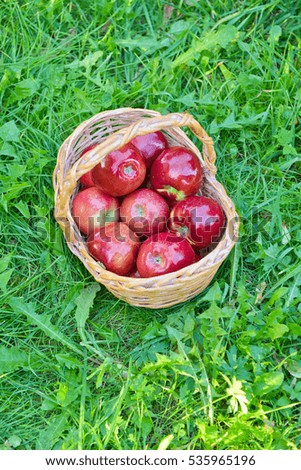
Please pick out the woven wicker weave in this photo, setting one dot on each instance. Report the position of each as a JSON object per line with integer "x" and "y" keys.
{"x": 111, "y": 130}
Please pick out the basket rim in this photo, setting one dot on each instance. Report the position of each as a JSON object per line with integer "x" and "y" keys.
{"x": 140, "y": 281}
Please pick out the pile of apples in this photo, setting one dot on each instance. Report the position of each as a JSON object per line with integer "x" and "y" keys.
{"x": 139, "y": 209}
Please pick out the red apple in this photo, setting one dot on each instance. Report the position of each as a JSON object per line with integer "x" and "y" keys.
{"x": 199, "y": 219}
{"x": 115, "y": 246}
{"x": 86, "y": 179}
{"x": 150, "y": 146}
{"x": 91, "y": 209}
{"x": 145, "y": 212}
{"x": 164, "y": 253}
{"x": 120, "y": 172}
{"x": 198, "y": 257}
{"x": 176, "y": 173}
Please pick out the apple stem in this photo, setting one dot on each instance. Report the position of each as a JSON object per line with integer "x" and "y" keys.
{"x": 183, "y": 230}
{"x": 179, "y": 195}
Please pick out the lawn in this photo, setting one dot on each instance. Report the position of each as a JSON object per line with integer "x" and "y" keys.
{"x": 80, "y": 369}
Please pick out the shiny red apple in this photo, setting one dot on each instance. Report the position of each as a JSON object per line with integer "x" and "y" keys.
{"x": 150, "y": 146}
{"x": 91, "y": 209}
{"x": 116, "y": 246}
{"x": 176, "y": 173}
{"x": 120, "y": 172}
{"x": 199, "y": 219}
{"x": 86, "y": 179}
{"x": 164, "y": 253}
{"x": 145, "y": 212}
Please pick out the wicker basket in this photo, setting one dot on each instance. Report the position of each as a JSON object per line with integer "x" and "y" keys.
{"x": 111, "y": 130}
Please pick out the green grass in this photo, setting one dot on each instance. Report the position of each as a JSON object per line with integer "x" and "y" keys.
{"x": 80, "y": 369}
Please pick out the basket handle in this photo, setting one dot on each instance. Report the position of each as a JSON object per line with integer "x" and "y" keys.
{"x": 65, "y": 182}
{"x": 208, "y": 147}
{"x": 142, "y": 127}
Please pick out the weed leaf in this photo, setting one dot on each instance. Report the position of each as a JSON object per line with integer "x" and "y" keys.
{"x": 84, "y": 303}
{"x": 49, "y": 436}
{"x": 4, "y": 278}
{"x": 11, "y": 359}
{"x": 42, "y": 322}
{"x": 9, "y": 132}
{"x": 266, "y": 383}
{"x": 165, "y": 442}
